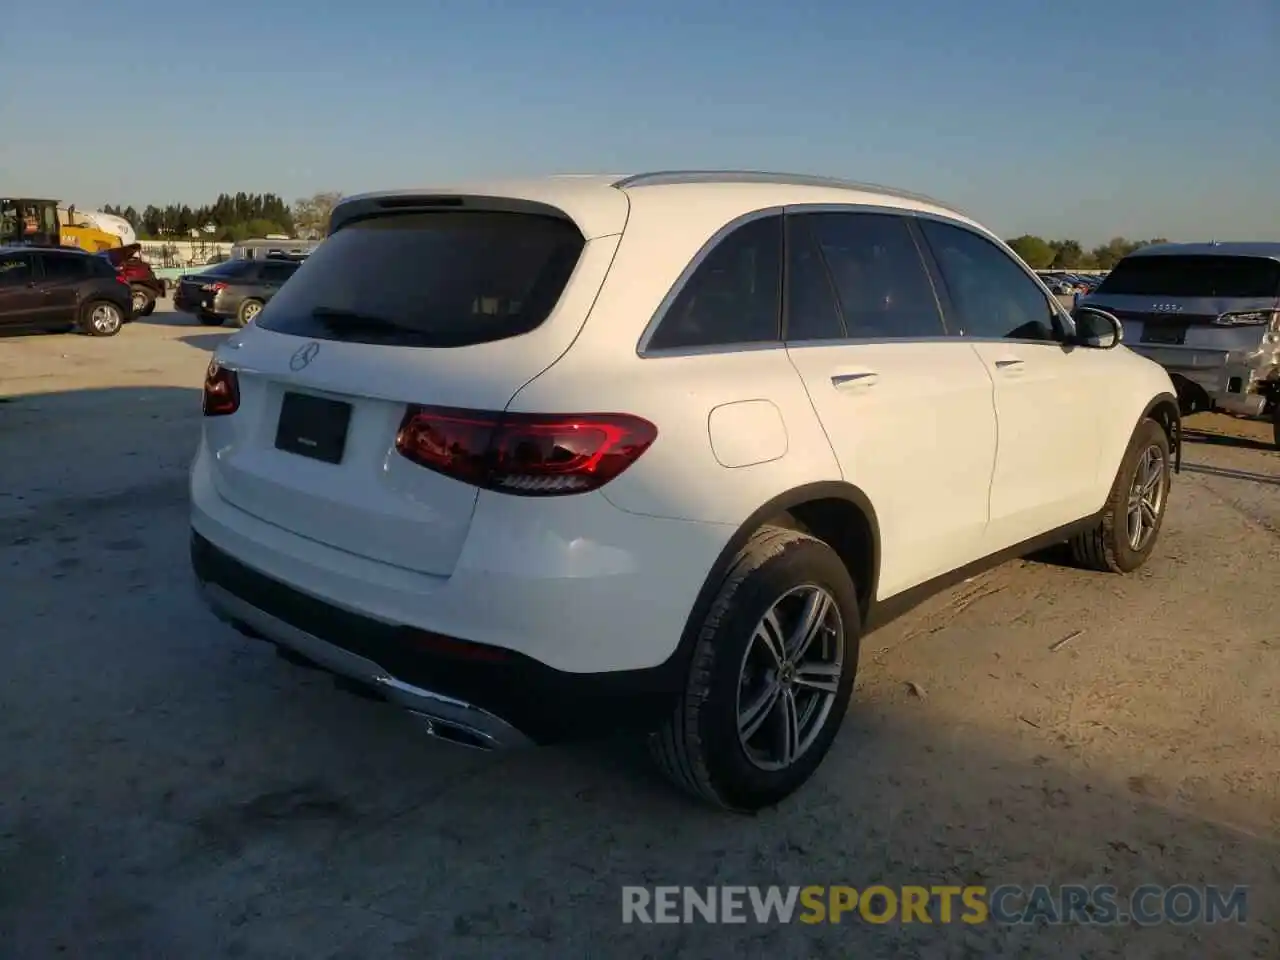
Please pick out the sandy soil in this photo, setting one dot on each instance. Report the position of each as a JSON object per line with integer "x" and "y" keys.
{"x": 173, "y": 790}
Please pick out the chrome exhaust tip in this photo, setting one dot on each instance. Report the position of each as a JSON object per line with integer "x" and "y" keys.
{"x": 455, "y": 733}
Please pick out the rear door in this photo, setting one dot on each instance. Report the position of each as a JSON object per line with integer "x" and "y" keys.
{"x": 21, "y": 299}
{"x": 908, "y": 409}
{"x": 273, "y": 276}
{"x": 64, "y": 274}
{"x": 1050, "y": 399}
{"x": 456, "y": 310}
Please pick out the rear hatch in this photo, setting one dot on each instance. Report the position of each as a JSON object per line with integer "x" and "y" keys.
{"x": 1211, "y": 303}
{"x": 457, "y": 309}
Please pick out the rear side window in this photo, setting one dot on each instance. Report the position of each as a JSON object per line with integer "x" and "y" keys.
{"x": 278, "y": 272}
{"x": 734, "y": 295}
{"x": 881, "y": 283}
{"x": 15, "y": 269}
{"x": 232, "y": 270}
{"x": 440, "y": 279}
{"x": 99, "y": 267}
{"x": 1193, "y": 276}
{"x": 65, "y": 268}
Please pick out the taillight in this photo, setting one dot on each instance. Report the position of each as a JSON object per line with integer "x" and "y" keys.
{"x": 532, "y": 455}
{"x": 221, "y": 391}
{"x": 213, "y": 287}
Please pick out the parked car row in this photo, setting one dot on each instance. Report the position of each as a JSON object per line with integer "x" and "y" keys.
{"x": 1065, "y": 284}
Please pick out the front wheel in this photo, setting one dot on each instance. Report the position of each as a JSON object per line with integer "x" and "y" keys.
{"x": 101, "y": 319}
{"x": 1126, "y": 533}
{"x": 771, "y": 675}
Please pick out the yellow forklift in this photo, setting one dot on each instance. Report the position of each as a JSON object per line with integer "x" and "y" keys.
{"x": 26, "y": 221}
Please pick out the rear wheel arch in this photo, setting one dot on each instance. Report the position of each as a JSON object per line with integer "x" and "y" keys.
{"x": 1164, "y": 410}
{"x": 833, "y": 511}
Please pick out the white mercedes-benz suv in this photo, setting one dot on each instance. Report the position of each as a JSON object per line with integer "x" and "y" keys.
{"x": 558, "y": 457}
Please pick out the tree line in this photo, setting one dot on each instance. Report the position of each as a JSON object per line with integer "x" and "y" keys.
{"x": 231, "y": 217}
{"x": 242, "y": 216}
{"x": 1042, "y": 254}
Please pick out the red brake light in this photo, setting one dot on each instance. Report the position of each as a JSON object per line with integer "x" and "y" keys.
{"x": 214, "y": 287}
{"x": 532, "y": 455}
{"x": 221, "y": 391}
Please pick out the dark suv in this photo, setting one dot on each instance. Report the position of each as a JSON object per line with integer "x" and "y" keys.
{"x": 61, "y": 289}
{"x": 233, "y": 290}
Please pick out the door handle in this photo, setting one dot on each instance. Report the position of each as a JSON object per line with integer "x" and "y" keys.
{"x": 1007, "y": 364}
{"x": 845, "y": 381}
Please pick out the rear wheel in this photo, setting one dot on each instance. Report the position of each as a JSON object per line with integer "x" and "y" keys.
{"x": 247, "y": 312}
{"x": 1134, "y": 512}
{"x": 143, "y": 300}
{"x": 771, "y": 675}
{"x": 101, "y": 319}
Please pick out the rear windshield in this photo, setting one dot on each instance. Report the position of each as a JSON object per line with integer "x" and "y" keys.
{"x": 439, "y": 279}
{"x": 1194, "y": 276}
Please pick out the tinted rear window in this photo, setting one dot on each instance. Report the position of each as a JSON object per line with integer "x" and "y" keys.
{"x": 1194, "y": 276}
{"x": 231, "y": 269}
{"x": 440, "y": 279}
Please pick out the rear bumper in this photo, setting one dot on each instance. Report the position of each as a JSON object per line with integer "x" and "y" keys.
{"x": 1232, "y": 385}
{"x": 478, "y": 696}
{"x": 446, "y": 717}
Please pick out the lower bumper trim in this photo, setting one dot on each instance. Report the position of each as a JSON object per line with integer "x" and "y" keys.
{"x": 448, "y": 718}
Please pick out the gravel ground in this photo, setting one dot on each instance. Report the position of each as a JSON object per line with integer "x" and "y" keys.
{"x": 173, "y": 790}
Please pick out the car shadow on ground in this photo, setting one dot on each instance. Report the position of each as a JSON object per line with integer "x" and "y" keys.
{"x": 169, "y": 318}
{"x": 205, "y": 341}
{"x": 174, "y": 789}
{"x": 1231, "y": 474}
{"x": 1223, "y": 440}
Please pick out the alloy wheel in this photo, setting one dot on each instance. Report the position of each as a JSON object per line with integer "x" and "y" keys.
{"x": 790, "y": 677}
{"x": 1146, "y": 498}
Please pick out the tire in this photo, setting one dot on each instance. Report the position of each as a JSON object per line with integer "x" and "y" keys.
{"x": 1109, "y": 546}
{"x": 101, "y": 318}
{"x": 699, "y": 747}
{"x": 247, "y": 311}
{"x": 208, "y": 320}
{"x": 144, "y": 301}
{"x": 1275, "y": 421}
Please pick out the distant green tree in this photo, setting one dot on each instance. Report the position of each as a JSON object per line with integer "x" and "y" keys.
{"x": 1035, "y": 251}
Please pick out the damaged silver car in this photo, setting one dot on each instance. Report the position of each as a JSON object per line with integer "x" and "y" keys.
{"x": 1209, "y": 313}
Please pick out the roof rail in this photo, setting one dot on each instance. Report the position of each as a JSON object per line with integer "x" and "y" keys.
{"x": 665, "y": 177}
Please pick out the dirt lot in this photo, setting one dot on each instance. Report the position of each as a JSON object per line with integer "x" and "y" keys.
{"x": 173, "y": 790}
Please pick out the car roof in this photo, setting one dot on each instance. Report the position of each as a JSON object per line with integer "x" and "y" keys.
{"x": 1256, "y": 248}
{"x": 599, "y": 204}
{"x": 43, "y": 248}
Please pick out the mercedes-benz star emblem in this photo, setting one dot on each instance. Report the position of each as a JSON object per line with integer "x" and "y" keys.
{"x": 303, "y": 356}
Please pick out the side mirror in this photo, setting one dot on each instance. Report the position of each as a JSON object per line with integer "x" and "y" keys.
{"x": 1097, "y": 328}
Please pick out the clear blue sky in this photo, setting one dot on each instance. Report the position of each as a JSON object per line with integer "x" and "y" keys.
{"x": 1085, "y": 119}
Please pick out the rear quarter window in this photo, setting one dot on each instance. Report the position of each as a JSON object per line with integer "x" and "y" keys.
{"x": 439, "y": 279}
